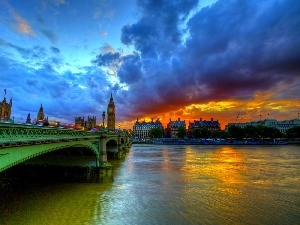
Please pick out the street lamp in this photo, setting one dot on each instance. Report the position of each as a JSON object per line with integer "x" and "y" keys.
{"x": 103, "y": 117}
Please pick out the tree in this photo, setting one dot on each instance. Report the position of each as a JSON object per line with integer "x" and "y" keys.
{"x": 219, "y": 134}
{"x": 235, "y": 132}
{"x": 202, "y": 133}
{"x": 268, "y": 132}
{"x": 293, "y": 132}
{"x": 196, "y": 133}
{"x": 205, "y": 133}
{"x": 181, "y": 132}
{"x": 155, "y": 133}
{"x": 250, "y": 131}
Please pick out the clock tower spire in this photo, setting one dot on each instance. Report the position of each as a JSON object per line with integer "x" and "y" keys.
{"x": 111, "y": 114}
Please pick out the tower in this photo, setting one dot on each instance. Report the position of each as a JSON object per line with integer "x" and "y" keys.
{"x": 5, "y": 109}
{"x": 41, "y": 117}
{"x": 111, "y": 114}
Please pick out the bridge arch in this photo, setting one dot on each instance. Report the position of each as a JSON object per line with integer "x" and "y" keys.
{"x": 15, "y": 156}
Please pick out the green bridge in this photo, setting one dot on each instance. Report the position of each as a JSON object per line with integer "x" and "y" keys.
{"x": 22, "y": 144}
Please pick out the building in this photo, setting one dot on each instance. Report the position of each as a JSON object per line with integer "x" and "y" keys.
{"x": 212, "y": 125}
{"x": 141, "y": 129}
{"x": 41, "y": 119}
{"x": 111, "y": 114}
{"x": 282, "y": 126}
{"x": 28, "y": 119}
{"x": 172, "y": 127}
{"x": 5, "y": 110}
{"x": 91, "y": 123}
{"x": 79, "y": 122}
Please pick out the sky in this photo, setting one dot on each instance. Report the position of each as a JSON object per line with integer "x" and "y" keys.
{"x": 230, "y": 60}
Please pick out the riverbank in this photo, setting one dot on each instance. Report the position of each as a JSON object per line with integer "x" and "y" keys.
{"x": 172, "y": 141}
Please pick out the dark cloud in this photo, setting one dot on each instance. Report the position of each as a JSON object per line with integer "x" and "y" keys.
{"x": 50, "y": 35}
{"x": 54, "y": 49}
{"x": 233, "y": 49}
{"x": 108, "y": 59}
{"x": 157, "y": 33}
{"x": 37, "y": 56}
{"x": 133, "y": 64}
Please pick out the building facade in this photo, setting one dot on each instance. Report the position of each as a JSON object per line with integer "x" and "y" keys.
{"x": 5, "y": 110}
{"x": 282, "y": 126}
{"x": 79, "y": 122}
{"x": 91, "y": 122}
{"x": 111, "y": 114}
{"x": 212, "y": 125}
{"x": 141, "y": 130}
{"x": 172, "y": 127}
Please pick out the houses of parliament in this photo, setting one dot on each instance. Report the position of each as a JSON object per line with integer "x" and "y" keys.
{"x": 80, "y": 122}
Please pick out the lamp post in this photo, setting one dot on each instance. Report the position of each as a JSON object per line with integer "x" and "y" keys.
{"x": 103, "y": 117}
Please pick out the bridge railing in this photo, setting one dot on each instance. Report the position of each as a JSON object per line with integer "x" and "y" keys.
{"x": 15, "y": 132}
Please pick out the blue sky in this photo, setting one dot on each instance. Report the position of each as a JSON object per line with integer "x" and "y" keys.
{"x": 160, "y": 59}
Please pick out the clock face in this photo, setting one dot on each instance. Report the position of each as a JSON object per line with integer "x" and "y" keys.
{"x": 110, "y": 110}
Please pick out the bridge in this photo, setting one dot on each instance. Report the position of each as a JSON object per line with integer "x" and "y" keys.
{"x": 21, "y": 143}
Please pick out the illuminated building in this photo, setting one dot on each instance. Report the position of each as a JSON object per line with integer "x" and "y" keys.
{"x": 141, "y": 129}
{"x": 5, "y": 110}
{"x": 41, "y": 119}
{"x": 79, "y": 122}
{"x": 89, "y": 124}
{"x": 111, "y": 114}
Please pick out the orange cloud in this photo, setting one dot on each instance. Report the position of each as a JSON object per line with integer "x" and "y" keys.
{"x": 21, "y": 24}
{"x": 261, "y": 106}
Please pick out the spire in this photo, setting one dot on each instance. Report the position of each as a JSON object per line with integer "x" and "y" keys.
{"x": 111, "y": 100}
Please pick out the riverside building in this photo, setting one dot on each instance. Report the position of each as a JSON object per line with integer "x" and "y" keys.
{"x": 282, "y": 126}
{"x": 141, "y": 129}
{"x": 172, "y": 127}
{"x": 212, "y": 125}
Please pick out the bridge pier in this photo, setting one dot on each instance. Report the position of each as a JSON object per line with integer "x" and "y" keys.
{"x": 105, "y": 169}
{"x": 120, "y": 153}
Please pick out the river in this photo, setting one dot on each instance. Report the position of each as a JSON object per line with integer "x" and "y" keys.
{"x": 167, "y": 184}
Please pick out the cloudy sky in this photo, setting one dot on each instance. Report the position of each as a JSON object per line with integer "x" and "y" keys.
{"x": 230, "y": 60}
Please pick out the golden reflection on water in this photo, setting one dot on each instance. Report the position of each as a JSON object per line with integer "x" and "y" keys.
{"x": 225, "y": 165}
{"x": 221, "y": 173}
{"x": 175, "y": 185}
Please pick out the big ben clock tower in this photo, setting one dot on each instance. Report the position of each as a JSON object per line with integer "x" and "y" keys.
{"x": 111, "y": 114}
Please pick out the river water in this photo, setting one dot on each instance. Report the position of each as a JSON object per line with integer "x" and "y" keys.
{"x": 165, "y": 184}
